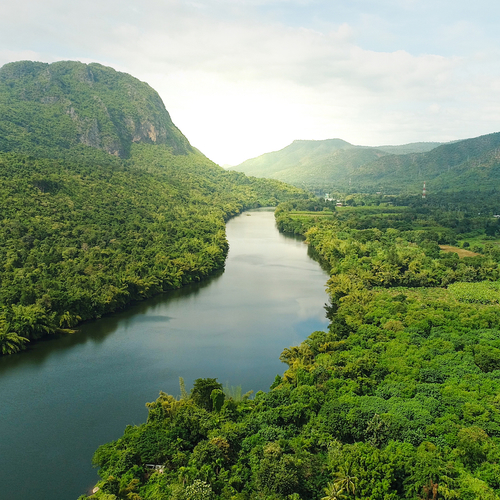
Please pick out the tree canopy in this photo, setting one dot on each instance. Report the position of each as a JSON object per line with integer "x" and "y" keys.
{"x": 398, "y": 399}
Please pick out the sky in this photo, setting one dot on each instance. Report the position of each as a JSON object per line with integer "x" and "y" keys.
{"x": 244, "y": 77}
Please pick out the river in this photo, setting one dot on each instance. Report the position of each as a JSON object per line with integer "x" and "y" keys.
{"x": 64, "y": 397}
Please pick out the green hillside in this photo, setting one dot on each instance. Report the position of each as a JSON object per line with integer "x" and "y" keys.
{"x": 414, "y": 147}
{"x": 57, "y": 106}
{"x": 310, "y": 163}
{"x": 318, "y": 165}
{"x": 299, "y": 153}
{"x": 337, "y": 166}
{"x": 471, "y": 164}
{"x": 103, "y": 200}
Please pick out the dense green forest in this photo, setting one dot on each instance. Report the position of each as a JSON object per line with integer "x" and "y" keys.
{"x": 334, "y": 166}
{"x": 399, "y": 399}
{"x": 471, "y": 164}
{"x": 105, "y": 202}
{"x": 88, "y": 227}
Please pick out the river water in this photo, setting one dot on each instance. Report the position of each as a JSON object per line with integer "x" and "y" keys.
{"x": 64, "y": 397}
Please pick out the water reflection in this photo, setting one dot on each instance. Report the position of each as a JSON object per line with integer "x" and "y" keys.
{"x": 313, "y": 254}
{"x": 96, "y": 331}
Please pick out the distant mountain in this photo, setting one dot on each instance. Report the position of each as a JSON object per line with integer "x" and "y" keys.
{"x": 335, "y": 165}
{"x": 299, "y": 154}
{"x": 471, "y": 164}
{"x": 414, "y": 147}
{"x": 318, "y": 164}
{"x": 49, "y": 107}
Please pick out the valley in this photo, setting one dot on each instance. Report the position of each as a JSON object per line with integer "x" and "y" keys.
{"x": 115, "y": 236}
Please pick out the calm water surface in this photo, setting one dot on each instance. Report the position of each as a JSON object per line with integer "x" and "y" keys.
{"x": 65, "y": 397}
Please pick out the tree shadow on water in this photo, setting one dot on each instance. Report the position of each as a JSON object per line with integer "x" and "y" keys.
{"x": 98, "y": 330}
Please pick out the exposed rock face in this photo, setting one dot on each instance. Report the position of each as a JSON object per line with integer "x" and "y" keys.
{"x": 91, "y": 136}
{"x": 146, "y": 132}
{"x": 92, "y": 105}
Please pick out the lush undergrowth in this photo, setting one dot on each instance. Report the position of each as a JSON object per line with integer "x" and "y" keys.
{"x": 399, "y": 399}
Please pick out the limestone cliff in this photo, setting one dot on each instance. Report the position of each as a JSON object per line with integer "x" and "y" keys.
{"x": 60, "y": 105}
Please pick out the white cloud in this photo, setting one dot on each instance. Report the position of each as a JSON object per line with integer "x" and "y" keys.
{"x": 239, "y": 81}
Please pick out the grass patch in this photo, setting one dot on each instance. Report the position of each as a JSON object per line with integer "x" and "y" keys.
{"x": 367, "y": 209}
{"x": 484, "y": 292}
{"x": 460, "y": 251}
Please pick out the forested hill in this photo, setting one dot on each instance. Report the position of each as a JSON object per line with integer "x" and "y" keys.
{"x": 305, "y": 163}
{"x": 471, "y": 164}
{"x": 297, "y": 154}
{"x": 319, "y": 164}
{"x": 414, "y": 147}
{"x": 103, "y": 200}
{"x": 52, "y": 107}
{"x": 324, "y": 166}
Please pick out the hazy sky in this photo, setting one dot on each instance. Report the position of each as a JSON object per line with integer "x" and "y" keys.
{"x": 244, "y": 77}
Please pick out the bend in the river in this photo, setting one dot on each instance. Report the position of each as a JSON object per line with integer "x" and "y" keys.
{"x": 65, "y": 397}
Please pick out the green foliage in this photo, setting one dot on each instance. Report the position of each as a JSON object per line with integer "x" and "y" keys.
{"x": 10, "y": 342}
{"x": 487, "y": 357}
{"x": 48, "y": 108}
{"x": 85, "y": 232}
{"x": 217, "y": 397}
{"x": 485, "y": 292}
{"x": 206, "y": 393}
{"x": 276, "y": 472}
{"x": 182, "y": 385}
{"x": 199, "y": 490}
{"x": 398, "y": 399}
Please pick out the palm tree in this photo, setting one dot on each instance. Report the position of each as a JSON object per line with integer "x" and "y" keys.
{"x": 10, "y": 342}
{"x": 345, "y": 480}
{"x": 68, "y": 320}
{"x": 33, "y": 320}
{"x": 334, "y": 492}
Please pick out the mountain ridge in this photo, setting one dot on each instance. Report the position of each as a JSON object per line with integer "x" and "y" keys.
{"x": 316, "y": 166}
{"x": 444, "y": 165}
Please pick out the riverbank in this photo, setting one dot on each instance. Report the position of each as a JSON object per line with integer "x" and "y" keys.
{"x": 69, "y": 395}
